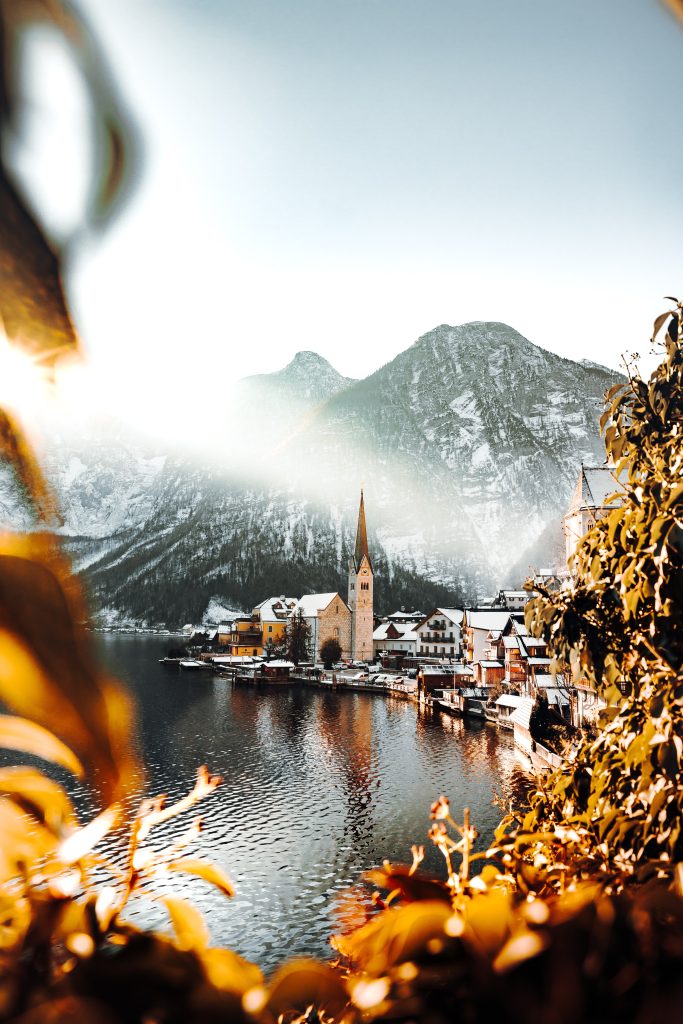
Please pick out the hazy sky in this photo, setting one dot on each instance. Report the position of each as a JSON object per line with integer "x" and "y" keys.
{"x": 344, "y": 176}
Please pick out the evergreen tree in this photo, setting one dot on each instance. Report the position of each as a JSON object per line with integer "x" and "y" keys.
{"x": 330, "y": 652}
{"x": 297, "y": 638}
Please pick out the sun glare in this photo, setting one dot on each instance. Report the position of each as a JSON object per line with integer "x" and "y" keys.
{"x": 22, "y": 383}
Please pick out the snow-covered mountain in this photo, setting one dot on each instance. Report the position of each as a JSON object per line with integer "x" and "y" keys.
{"x": 467, "y": 445}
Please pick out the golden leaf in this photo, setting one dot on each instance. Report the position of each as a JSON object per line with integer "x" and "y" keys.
{"x": 396, "y": 935}
{"x": 303, "y": 983}
{"x": 33, "y": 309}
{"x": 42, "y": 796}
{"x": 676, "y": 7}
{"x": 84, "y": 839}
{"x": 205, "y": 870}
{"x": 20, "y": 734}
{"x": 188, "y": 923}
{"x": 230, "y": 972}
{"x": 24, "y": 842}
{"x": 47, "y": 669}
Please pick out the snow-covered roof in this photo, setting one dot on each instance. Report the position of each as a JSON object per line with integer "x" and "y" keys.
{"x": 403, "y": 629}
{"x": 311, "y": 605}
{"x": 494, "y": 619}
{"x": 490, "y": 664}
{"x": 509, "y": 700}
{"x": 510, "y": 643}
{"x": 595, "y": 485}
{"x": 539, "y": 661}
{"x": 279, "y": 664}
{"x": 410, "y": 616}
{"x": 545, "y": 679}
{"x": 273, "y": 609}
{"x": 522, "y": 713}
{"x": 556, "y": 696}
{"x": 454, "y": 614}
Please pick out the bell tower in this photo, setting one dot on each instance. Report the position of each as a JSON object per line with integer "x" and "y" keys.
{"x": 361, "y": 593}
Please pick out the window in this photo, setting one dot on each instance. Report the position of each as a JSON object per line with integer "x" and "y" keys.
{"x": 270, "y": 629}
{"x": 336, "y": 632}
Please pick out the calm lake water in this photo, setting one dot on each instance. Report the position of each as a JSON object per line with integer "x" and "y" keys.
{"x": 318, "y": 787}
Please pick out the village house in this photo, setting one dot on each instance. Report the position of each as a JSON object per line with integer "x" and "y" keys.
{"x": 512, "y": 600}
{"x": 329, "y": 618}
{"x": 399, "y": 639}
{"x": 589, "y": 504}
{"x": 482, "y": 628}
{"x": 246, "y": 638}
{"x": 272, "y": 615}
{"x": 438, "y": 633}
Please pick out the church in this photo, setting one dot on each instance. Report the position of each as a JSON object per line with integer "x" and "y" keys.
{"x": 361, "y": 592}
{"x": 350, "y": 622}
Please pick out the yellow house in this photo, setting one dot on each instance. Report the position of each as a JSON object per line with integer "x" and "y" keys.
{"x": 246, "y": 638}
{"x": 272, "y": 615}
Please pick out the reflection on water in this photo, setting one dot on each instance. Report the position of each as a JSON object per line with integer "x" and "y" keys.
{"x": 318, "y": 787}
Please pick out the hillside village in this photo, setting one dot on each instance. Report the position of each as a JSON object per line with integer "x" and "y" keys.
{"x": 472, "y": 661}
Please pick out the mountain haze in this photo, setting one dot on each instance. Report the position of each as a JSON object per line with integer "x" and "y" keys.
{"x": 467, "y": 444}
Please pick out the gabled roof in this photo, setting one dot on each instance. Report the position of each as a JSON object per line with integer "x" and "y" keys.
{"x": 311, "y": 605}
{"x": 406, "y": 635}
{"x": 275, "y": 608}
{"x": 522, "y": 714}
{"x": 403, "y": 631}
{"x": 509, "y": 700}
{"x": 544, "y": 679}
{"x": 595, "y": 485}
{"x": 488, "y": 619}
{"x": 454, "y": 615}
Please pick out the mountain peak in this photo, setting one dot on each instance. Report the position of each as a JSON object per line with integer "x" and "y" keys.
{"x": 308, "y": 361}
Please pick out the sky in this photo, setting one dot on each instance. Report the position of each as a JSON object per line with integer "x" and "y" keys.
{"x": 344, "y": 176}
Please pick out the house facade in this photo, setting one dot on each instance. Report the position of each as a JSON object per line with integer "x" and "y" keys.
{"x": 438, "y": 633}
{"x": 246, "y": 638}
{"x": 272, "y": 614}
{"x": 395, "y": 638}
{"x": 482, "y": 627}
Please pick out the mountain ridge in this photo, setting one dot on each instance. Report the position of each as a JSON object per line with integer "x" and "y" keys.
{"x": 468, "y": 443}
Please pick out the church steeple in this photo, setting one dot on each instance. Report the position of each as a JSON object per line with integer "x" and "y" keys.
{"x": 361, "y": 592}
{"x": 361, "y": 537}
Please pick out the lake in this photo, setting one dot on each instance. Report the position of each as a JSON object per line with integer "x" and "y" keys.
{"x": 318, "y": 787}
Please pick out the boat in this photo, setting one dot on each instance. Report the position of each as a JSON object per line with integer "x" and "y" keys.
{"x": 192, "y": 664}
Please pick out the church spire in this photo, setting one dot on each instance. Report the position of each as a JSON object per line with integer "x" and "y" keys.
{"x": 361, "y": 537}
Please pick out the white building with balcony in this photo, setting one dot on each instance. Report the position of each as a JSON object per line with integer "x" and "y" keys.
{"x": 438, "y": 634}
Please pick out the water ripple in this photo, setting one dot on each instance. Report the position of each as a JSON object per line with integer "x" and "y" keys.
{"x": 318, "y": 787}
